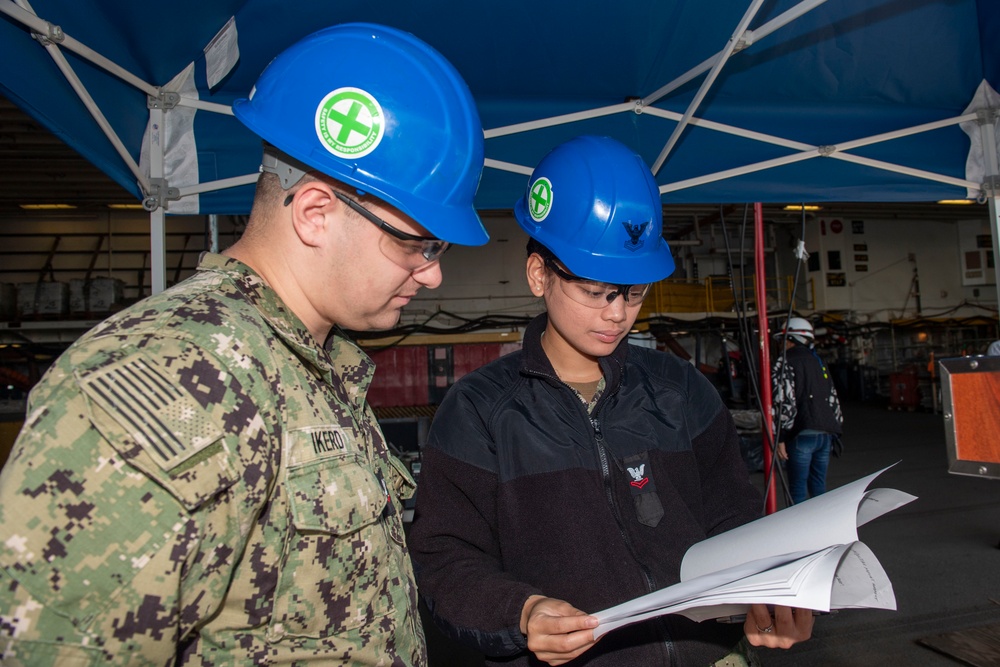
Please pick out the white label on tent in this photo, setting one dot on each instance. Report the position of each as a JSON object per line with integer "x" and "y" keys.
{"x": 222, "y": 53}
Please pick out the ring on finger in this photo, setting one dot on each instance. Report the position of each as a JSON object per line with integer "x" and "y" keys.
{"x": 769, "y": 629}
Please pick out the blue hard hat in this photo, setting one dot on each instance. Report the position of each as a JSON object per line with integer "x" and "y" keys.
{"x": 378, "y": 109}
{"x": 594, "y": 203}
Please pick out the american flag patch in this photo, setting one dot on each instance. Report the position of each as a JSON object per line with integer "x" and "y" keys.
{"x": 163, "y": 418}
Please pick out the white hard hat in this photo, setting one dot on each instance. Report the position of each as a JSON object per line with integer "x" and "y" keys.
{"x": 798, "y": 329}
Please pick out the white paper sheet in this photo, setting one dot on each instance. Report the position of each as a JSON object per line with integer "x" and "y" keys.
{"x": 807, "y": 555}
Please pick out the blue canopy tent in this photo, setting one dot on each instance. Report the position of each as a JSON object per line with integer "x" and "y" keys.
{"x": 729, "y": 101}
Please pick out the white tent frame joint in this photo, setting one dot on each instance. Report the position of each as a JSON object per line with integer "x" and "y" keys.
{"x": 987, "y": 115}
{"x": 53, "y": 34}
{"x": 990, "y": 188}
{"x": 826, "y": 151}
{"x": 745, "y": 41}
{"x": 163, "y": 100}
{"x": 159, "y": 194}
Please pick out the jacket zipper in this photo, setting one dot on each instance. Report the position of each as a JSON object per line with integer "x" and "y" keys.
{"x": 668, "y": 645}
{"x": 606, "y": 474}
{"x": 605, "y": 467}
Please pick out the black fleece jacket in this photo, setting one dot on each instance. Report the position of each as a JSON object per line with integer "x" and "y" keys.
{"x": 522, "y": 493}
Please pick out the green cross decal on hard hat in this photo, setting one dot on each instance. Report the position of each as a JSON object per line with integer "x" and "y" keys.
{"x": 349, "y": 122}
{"x": 540, "y": 201}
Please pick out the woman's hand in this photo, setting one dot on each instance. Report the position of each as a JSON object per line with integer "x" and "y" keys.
{"x": 557, "y": 631}
{"x": 787, "y": 627}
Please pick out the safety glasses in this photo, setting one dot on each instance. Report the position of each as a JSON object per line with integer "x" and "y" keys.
{"x": 406, "y": 250}
{"x": 409, "y": 251}
{"x": 595, "y": 294}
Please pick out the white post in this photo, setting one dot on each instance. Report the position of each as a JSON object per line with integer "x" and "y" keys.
{"x": 157, "y": 205}
{"x": 994, "y": 202}
{"x": 213, "y": 233}
{"x": 991, "y": 181}
{"x": 158, "y": 249}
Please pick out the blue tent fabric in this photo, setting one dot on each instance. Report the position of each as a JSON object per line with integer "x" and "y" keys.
{"x": 844, "y": 70}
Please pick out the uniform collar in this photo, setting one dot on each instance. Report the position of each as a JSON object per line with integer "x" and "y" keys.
{"x": 338, "y": 356}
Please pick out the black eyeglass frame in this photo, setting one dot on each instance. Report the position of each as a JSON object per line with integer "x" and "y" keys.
{"x": 611, "y": 296}
{"x": 380, "y": 223}
{"x": 429, "y": 252}
{"x": 433, "y": 247}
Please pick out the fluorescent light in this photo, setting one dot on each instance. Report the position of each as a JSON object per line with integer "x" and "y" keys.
{"x": 128, "y": 207}
{"x": 956, "y": 202}
{"x": 797, "y": 207}
{"x": 46, "y": 207}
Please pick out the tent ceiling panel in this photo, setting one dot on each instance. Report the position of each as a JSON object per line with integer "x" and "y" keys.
{"x": 842, "y": 71}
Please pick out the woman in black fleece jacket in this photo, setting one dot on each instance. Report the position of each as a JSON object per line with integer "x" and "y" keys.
{"x": 573, "y": 475}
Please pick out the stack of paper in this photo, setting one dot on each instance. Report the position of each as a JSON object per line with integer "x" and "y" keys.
{"x": 807, "y": 555}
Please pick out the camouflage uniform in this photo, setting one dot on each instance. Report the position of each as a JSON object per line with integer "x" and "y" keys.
{"x": 198, "y": 482}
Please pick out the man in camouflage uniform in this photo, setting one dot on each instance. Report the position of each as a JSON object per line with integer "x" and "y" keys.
{"x": 199, "y": 479}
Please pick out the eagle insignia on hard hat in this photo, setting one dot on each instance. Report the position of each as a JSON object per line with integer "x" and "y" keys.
{"x": 634, "y": 232}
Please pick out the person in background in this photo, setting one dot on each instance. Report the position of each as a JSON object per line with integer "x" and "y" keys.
{"x": 807, "y": 410}
{"x": 200, "y": 480}
{"x": 572, "y": 475}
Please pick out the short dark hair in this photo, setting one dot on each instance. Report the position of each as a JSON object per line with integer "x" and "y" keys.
{"x": 536, "y": 247}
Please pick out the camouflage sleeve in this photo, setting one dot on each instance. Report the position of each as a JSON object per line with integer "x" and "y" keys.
{"x": 124, "y": 506}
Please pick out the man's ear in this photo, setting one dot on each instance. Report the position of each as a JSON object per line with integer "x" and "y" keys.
{"x": 311, "y": 210}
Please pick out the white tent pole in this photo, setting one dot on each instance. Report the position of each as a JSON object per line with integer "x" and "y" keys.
{"x": 213, "y": 233}
{"x": 991, "y": 181}
{"x": 158, "y": 249}
{"x": 807, "y": 155}
{"x": 729, "y": 129}
{"x": 798, "y": 145}
{"x": 157, "y": 209}
{"x": 558, "y": 120}
{"x": 908, "y": 171}
{"x": 201, "y": 105}
{"x": 808, "y": 151}
{"x": 748, "y": 37}
{"x": 643, "y": 106}
{"x": 707, "y": 83}
{"x": 508, "y": 166}
{"x": 49, "y": 37}
{"x": 98, "y": 115}
{"x": 25, "y": 14}
{"x": 221, "y": 184}
{"x": 737, "y": 171}
{"x": 896, "y": 134}
{"x": 994, "y": 205}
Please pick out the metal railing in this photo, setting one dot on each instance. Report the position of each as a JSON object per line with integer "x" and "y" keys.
{"x": 719, "y": 294}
